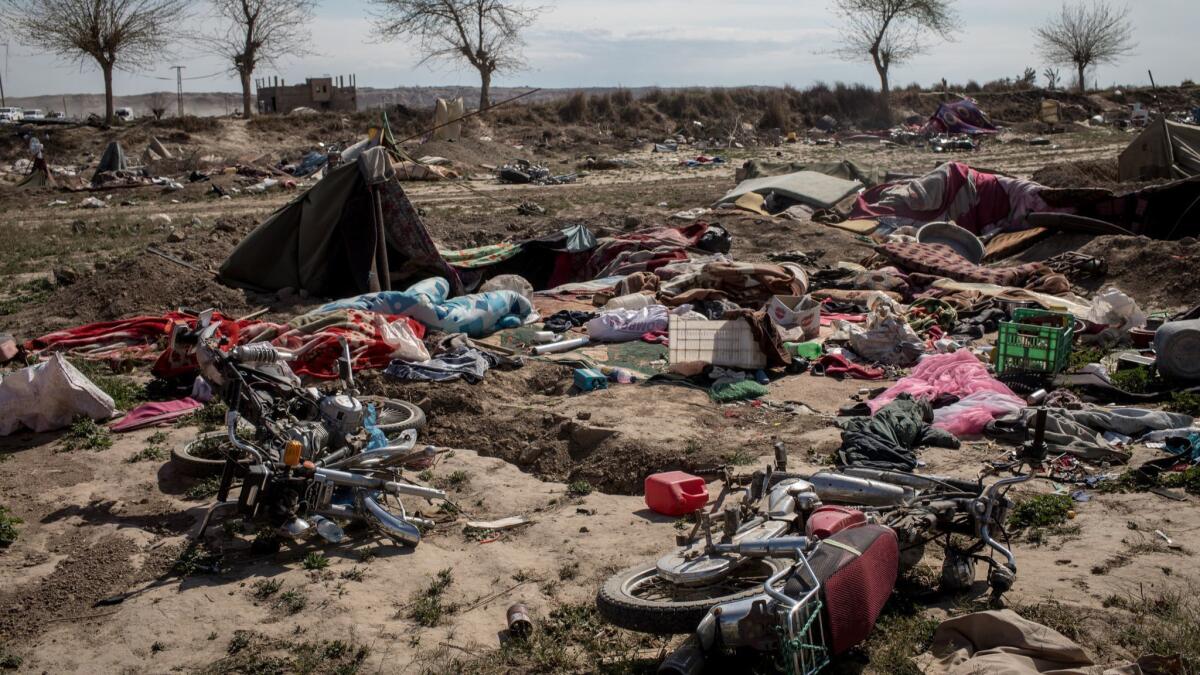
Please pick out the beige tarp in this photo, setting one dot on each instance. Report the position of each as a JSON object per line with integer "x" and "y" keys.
{"x": 1165, "y": 150}
{"x": 1003, "y": 643}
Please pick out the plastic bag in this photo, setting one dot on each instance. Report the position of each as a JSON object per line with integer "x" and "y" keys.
{"x": 1111, "y": 307}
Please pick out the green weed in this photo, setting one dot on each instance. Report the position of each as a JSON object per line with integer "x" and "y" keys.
{"x": 427, "y": 606}
{"x": 579, "y": 488}
{"x": 204, "y": 488}
{"x": 315, "y": 561}
{"x": 85, "y": 434}
{"x": 265, "y": 588}
{"x": 1041, "y": 511}
{"x": 292, "y": 602}
{"x": 8, "y": 527}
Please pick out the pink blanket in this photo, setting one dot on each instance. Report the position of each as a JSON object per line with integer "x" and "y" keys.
{"x": 982, "y": 397}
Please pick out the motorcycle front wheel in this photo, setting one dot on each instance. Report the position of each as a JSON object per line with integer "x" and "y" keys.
{"x": 639, "y": 599}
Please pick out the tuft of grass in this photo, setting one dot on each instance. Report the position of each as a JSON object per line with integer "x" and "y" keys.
{"x": 158, "y": 646}
{"x": 292, "y": 602}
{"x": 568, "y": 571}
{"x": 1082, "y": 357}
{"x": 1166, "y": 622}
{"x": 739, "y": 457}
{"x": 30, "y": 293}
{"x": 10, "y": 661}
{"x": 150, "y": 453}
{"x": 197, "y": 558}
{"x": 1041, "y": 511}
{"x": 209, "y": 418}
{"x": 1184, "y": 402}
{"x": 1134, "y": 380}
{"x": 204, "y": 488}
{"x": 579, "y": 488}
{"x": 457, "y": 480}
{"x": 8, "y": 527}
{"x": 1054, "y": 614}
{"x": 125, "y": 392}
{"x": 353, "y": 574}
{"x": 427, "y": 606}
{"x": 85, "y": 434}
{"x": 315, "y": 561}
{"x": 571, "y": 639}
{"x": 265, "y": 588}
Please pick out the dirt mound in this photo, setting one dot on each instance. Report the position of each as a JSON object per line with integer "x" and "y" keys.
{"x": 141, "y": 283}
{"x": 523, "y": 418}
{"x": 1100, "y": 173}
{"x": 1158, "y": 274}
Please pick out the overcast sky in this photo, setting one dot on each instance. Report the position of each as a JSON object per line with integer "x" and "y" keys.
{"x": 584, "y": 43}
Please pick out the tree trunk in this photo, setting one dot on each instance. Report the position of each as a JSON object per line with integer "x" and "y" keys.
{"x": 885, "y": 93}
{"x": 107, "y": 69}
{"x": 247, "y": 105}
{"x": 485, "y": 88}
{"x": 1082, "y": 78}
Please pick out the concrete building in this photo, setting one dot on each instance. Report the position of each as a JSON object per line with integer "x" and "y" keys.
{"x": 318, "y": 93}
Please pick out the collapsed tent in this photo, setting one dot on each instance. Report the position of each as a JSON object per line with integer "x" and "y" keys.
{"x": 39, "y": 176}
{"x": 353, "y": 232}
{"x": 113, "y": 159}
{"x": 1165, "y": 150}
{"x": 960, "y": 117}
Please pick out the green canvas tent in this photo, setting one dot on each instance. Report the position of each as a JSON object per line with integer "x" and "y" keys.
{"x": 353, "y": 232}
{"x": 1165, "y": 150}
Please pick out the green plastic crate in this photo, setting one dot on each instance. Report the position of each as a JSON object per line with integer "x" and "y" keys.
{"x": 1035, "y": 341}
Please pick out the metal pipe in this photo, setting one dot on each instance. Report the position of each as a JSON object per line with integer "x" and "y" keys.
{"x": 397, "y": 528}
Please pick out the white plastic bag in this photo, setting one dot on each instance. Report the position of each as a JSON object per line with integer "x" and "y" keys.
{"x": 1113, "y": 308}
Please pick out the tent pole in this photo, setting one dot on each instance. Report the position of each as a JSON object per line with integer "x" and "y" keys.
{"x": 383, "y": 272}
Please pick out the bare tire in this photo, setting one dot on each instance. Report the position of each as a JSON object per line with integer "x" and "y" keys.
{"x": 639, "y": 599}
{"x": 187, "y": 460}
{"x": 394, "y": 415}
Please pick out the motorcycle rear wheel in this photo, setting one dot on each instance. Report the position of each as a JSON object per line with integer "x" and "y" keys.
{"x": 396, "y": 415}
{"x": 639, "y": 599}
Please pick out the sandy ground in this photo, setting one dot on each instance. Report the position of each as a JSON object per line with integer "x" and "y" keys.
{"x": 97, "y": 525}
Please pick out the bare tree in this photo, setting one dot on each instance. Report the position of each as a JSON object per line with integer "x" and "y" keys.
{"x": 891, "y": 32}
{"x": 116, "y": 34}
{"x": 158, "y": 104}
{"x": 484, "y": 33}
{"x": 1086, "y": 35}
{"x": 253, "y": 32}
{"x": 1052, "y": 78}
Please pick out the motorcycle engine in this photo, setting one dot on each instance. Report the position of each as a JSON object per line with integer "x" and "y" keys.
{"x": 313, "y": 437}
{"x": 344, "y": 414}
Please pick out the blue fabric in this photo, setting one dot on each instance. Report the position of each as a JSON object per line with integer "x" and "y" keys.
{"x": 378, "y": 438}
{"x": 477, "y": 315}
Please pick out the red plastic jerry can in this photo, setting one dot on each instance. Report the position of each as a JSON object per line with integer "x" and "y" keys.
{"x": 675, "y": 493}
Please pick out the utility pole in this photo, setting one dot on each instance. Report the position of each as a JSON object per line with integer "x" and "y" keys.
{"x": 3, "y": 102}
{"x": 179, "y": 90}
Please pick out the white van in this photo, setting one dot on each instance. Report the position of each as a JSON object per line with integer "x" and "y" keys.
{"x": 34, "y": 114}
{"x": 11, "y": 115}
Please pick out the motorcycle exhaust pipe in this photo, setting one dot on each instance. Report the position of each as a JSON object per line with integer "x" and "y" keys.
{"x": 841, "y": 489}
{"x": 401, "y": 530}
{"x": 687, "y": 660}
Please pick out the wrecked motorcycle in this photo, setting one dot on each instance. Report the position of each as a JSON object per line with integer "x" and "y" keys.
{"x": 307, "y": 461}
{"x": 795, "y": 569}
